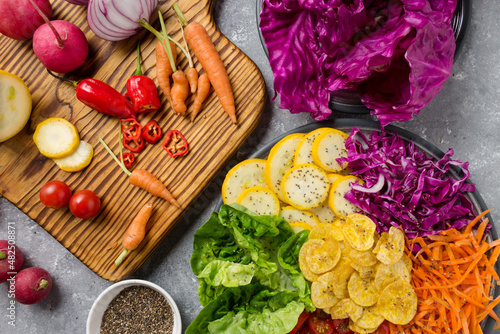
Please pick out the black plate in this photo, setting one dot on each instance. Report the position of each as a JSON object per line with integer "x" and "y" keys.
{"x": 347, "y": 101}
{"x": 368, "y": 126}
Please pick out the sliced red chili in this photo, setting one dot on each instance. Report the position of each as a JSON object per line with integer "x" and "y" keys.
{"x": 175, "y": 144}
{"x": 134, "y": 145}
{"x": 151, "y": 132}
{"x": 128, "y": 159}
{"x": 131, "y": 129}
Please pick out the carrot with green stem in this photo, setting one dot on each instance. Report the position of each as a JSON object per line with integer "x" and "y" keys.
{"x": 142, "y": 178}
{"x": 135, "y": 232}
{"x": 180, "y": 87}
{"x": 164, "y": 69}
{"x": 192, "y": 73}
{"x": 200, "y": 42}
{"x": 201, "y": 95}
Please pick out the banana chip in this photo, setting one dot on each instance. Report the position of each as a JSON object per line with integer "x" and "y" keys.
{"x": 407, "y": 261}
{"x": 365, "y": 272}
{"x": 362, "y": 290}
{"x": 339, "y": 310}
{"x": 325, "y": 231}
{"x": 388, "y": 273}
{"x": 398, "y": 303}
{"x": 340, "y": 277}
{"x": 354, "y": 311}
{"x": 361, "y": 258}
{"x": 359, "y": 231}
{"x": 390, "y": 246}
{"x": 322, "y": 292}
{"x": 323, "y": 255}
{"x": 304, "y": 268}
{"x": 370, "y": 318}
{"x": 357, "y": 329}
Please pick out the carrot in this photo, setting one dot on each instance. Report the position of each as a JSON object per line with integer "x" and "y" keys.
{"x": 163, "y": 68}
{"x": 180, "y": 91}
{"x": 452, "y": 275}
{"x": 147, "y": 181}
{"x": 192, "y": 77}
{"x": 142, "y": 178}
{"x": 204, "y": 49}
{"x": 201, "y": 95}
{"x": 135, "y": 232}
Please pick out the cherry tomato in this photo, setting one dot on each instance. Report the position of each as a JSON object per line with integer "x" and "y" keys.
{"x": 84, "y": 204}
{"x": 300, "y": 322}
{"x": 383, "y": 328}
{"x": 306, "y": 330}
{"x": 55, "y": 194}
{"x": 342, "y": 326}
{"x": 321, "y": 323}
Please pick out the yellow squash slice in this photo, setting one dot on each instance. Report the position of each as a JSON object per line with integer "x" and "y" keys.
{"x": 299, "y": 226}
{"x": 336, "y": 199}
{"x": 260, "y": 200}
{"x": 303, "y": 152}
{"x": 279, "y": 161}
{"x": 78, "y": 160}
{"x": 56, "y": 138}
{"x": 15, "y": 105}
{"x": 246, "y": 174}
{"x": 327, "y": 147}
{"x": 324, "y": 213}
{"x": 305, "y": 186}
{"x": 291, "y": 214}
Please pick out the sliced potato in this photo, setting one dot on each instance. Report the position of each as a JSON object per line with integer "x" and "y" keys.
{"x": 390, "y": 246}
{"x": 336, "y": 199}
{"x": 327, "y": 147}
{"x": 260, "y": 200}
{"x": 246, "y": 174}
{"x": 398, "y": 303}
{"x": 56, "y": 138}
{"x": 359, "y": 231}
{"x": 78, "y": 160}
{"x": 303, "y": 152}
{"x": 291, "y": 214}
{"x": 15, "y": 105}
{"x": 279, "y": 161}
{"x": 305, "y": 186}
{"x": 362, "y": 290}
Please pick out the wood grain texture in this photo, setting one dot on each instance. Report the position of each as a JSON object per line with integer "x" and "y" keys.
{"x": 212, "y": 139}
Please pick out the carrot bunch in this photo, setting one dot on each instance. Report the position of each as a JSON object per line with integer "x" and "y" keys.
{"x": 453, "y": 276}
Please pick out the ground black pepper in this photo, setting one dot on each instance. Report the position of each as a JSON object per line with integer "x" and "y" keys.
{"x": 138, "y": 309}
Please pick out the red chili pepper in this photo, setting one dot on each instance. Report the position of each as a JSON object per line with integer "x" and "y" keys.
{"x": 131, "y": 129}
{"x": 151, "y": 132}
{"x": 134, "y": 145}
{"x": 175, "y": 144}
{"x": 101, "y": 97}
{"x": 142, "y": 90}
{"x": 128, "y": 159}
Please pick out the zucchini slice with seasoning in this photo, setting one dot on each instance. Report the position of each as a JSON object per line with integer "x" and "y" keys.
{"x": 246, "y": 174}
{"x": 305, "y": 186}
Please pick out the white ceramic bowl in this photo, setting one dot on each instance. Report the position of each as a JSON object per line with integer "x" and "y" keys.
{"x": 102, "y": 302}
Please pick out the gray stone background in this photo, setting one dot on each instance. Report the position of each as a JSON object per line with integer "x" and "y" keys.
{"x": 464, "y": 116}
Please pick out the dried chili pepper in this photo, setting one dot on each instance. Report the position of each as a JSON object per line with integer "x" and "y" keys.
{"x": 131, "y": 129}
{"x": 175, "y": 144}
{"x": 151, "y": 132}
{"x": 128, "y": 159}
{"x": 101, "y": 97}
{"x": 141, "y": 90}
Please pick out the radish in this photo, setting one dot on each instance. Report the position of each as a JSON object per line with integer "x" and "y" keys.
{"x": 19, "y": 19}
{"x": 11, "y": 260}
{"x": 32, "y": 285}
{"x": 60, "y": 45}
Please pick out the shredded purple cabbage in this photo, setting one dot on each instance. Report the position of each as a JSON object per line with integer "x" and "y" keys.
{"x": 396, "y": 53}
{"x": 404, "y": 187}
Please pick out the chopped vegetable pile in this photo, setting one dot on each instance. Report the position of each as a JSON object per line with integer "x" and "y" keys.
{"x": 396, "y": 54}
{"x": 404, "y": 187}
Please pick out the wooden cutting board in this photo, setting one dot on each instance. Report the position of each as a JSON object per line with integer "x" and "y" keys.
{"x": 212, "y": 139}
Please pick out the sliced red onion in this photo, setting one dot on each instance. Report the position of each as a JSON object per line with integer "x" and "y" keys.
{"x": 373, "y": 189}
{"x": 115, "y": 20}
{"x": 78, "y": 2}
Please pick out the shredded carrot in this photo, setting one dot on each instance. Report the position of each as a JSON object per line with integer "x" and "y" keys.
{"x": 452, "y": 275}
